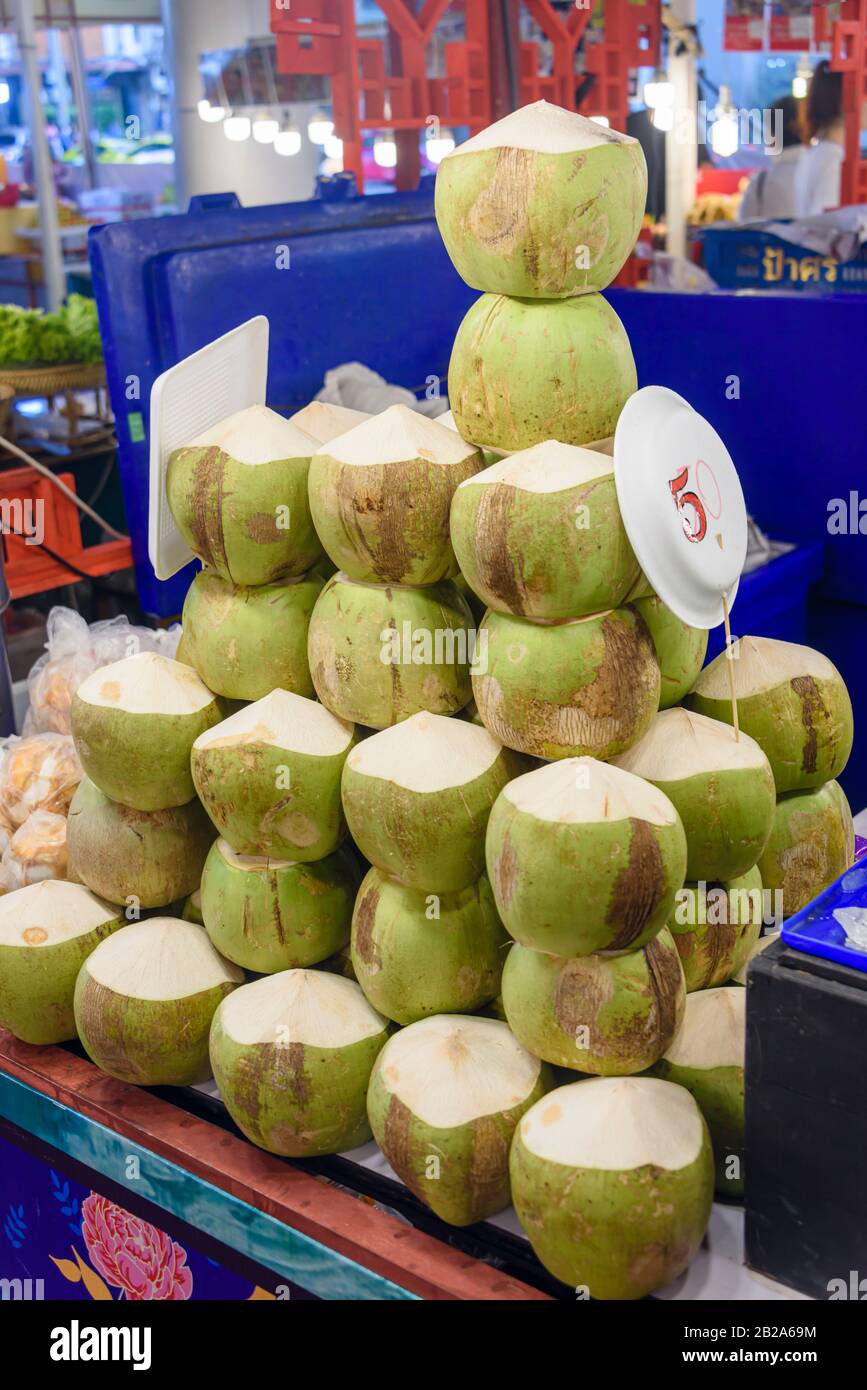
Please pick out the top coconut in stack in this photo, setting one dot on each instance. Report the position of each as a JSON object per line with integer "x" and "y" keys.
{"x": 540, "y": 211}
{"x": 238, "y": 494}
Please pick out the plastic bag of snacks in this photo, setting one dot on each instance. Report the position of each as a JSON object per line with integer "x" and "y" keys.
{"x": 39, "y": 773}
{"x": 73, "y": 651}
{"x": 36, "y": 851}
{"x": 7, "y": 827}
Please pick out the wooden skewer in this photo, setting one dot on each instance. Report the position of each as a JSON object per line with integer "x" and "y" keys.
{"x": 730, "y": 659}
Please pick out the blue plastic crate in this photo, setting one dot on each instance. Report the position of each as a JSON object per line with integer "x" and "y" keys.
{"x": 815, "y": 929}
{"x": 740, "y": 258}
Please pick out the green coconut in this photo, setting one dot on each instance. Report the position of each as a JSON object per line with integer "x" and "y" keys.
{"x": 238, "y": 494}
{"x": 340, "y": 963}
{"x": 740, "y": 978}
{"x": 526, "y": 370}
{"x": 292, "y": 1056}
{"x": 417, "y": 799}
{"x": 584, "y": 857}
{"x": 608, "y": 1015}
{"x": 812, "y": 843}
{"x": 244, "y": 643}
{"x": 380, "y": 497}
{"x": 562, "y": 690}
{"x": 680, "y": 649}
{"x": 540, "y": 535}
{"x": 269, "y": 777}
{"x": 192, "y": 909}
{"x": 324, "y": 421}
{"x": 381, "y": 652}
{"x": 707, "y": 1057}
{"x": 270, "y": 914}
{"x": 715, "y": 928}
{"x": 612, "y": 1181}
{"x": 445, "y": 1097}
{"x": 544, "y": 203}
{"x": 416, "y": 954}
{"x": 791, "y": 700}
{"x": 144, "y": 1000}
{"x": 722, "y": 786}
{"x": 146, "y": 858}
{"x": 47, "y": 931}
{"x": 134, "y": 723}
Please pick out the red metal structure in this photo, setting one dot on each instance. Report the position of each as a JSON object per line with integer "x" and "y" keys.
{"x": 29, "y": 568}
{"x": 384, "y": 83}
{"x": 849, "y": 56}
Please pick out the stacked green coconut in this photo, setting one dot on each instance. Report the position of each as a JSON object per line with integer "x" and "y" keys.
{"x": 137, "y": 834}
{"x": 794, "y": 703}
{"x": 585, "y": 861}
{"x": 238, "y": 495}
{"x": 391, "y": 634}
{"x": 278, "y": 885}
{"x": 723, "y": 788}
{"x": 540, "y": 211}
{"x": 426, "y": 936}
{"x": 140, "y": 994}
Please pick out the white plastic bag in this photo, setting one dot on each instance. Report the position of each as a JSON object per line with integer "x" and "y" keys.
{"x": 73, "y": 651}
{"x": 359, "y": 388}
{"x": 40, "y": 773}
{"x": 36, "y": 851}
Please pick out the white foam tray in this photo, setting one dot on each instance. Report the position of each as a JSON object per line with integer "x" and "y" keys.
{"x": 226, "y": 376}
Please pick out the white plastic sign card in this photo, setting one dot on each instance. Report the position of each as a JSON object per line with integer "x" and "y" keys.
{"x": 228, "y": 375}
{"x": 682, "y": 504}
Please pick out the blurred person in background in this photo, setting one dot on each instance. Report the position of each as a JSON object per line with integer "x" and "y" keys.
{"x": 771, "y": 192}
{"x": 817, "y": 182}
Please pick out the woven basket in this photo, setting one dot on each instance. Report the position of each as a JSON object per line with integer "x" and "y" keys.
{"x": 50, "y": 381}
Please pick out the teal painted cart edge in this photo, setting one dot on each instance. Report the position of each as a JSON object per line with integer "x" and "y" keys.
{"x": 253, "y": 1233}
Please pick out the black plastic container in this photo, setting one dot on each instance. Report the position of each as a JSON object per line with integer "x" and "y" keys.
{"x": 806, "y": 1123}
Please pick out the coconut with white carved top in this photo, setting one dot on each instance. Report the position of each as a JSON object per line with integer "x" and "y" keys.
{"x": 609, "y": 1015}
{"x": 445, "y": 1097}
{"x": 633, "y": 1152}
{"x": 584, "y": 857}
{"x": 582, "y": 686}
{"x": 145, "y": 998}
{"x": 381, "y": 652}
{"x": 722, "y": 786}
{"x": 380, "y": 497}
{"x": 134, "y": 723}
{"x": 417, "y": 799}
{"x": 792, "y": 700}
{"x": 272, "y": 914}
{"x": 539, "y": 534}
{"x": 324, "y": 421}
{"x": 543, "y": 203}
{"x": 269, "y": 777}
{"x": 47, "y": 931}
{"x": 238, "y": 495}
{"x": 707, "y": 1056}
{"x": 292, "y": 1056}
